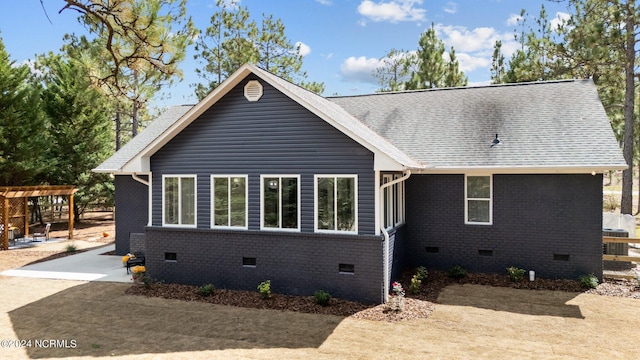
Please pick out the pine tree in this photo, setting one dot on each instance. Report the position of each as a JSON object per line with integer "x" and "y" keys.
{"x": 23, "y": 132}
{"x": 233, "y": 39}
{"x": 79, "y": 127}
{"x": 431, "y": 69}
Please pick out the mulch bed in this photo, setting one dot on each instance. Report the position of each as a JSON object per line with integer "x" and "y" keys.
{"x": 418, "y": 305}
{"x": 249, "y": 299}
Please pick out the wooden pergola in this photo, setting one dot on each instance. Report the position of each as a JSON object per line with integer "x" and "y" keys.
{"x": 14, "y": 206}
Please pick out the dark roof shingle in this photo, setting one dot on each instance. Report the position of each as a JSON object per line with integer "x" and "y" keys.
{"x": 555, "y": 124}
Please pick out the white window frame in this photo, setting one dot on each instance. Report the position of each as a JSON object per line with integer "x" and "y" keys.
{"x": 246, "y": 202}
{"x": 279, "y": 176}
{"x": 195, "y": 199}
{"x": 335, "y": 199}
{"x": 394, "y": 201}
{"x": 467, "y": 199}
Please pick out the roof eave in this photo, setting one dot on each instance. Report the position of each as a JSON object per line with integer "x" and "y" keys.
{"x": 565, "y": 169}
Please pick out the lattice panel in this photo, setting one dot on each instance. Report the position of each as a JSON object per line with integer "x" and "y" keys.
{"x": 16, "y": 213}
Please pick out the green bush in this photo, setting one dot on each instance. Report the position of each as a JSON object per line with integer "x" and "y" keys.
{"x": 71, "y": 248}
{"x": 421, "y": 273}
{"x": 457, "y": 272}
{"x": 265, "y": 289}
{"x": 321, "y": 297}
{"x": 206, "y": 290}
{"x": 415, "y": 285}
{"x": 589, "y": 281}
{"x": 515, "y": 274}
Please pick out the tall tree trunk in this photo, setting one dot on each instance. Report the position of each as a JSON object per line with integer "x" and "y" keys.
{"x": 134, "y": 119}
{"x": 118, "y": 123}
{"x": 136, "y": 106}
{"x": 626, "y": 204}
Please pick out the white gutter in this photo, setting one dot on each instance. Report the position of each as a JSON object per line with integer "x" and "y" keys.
{"x": 139, "y": 179}
{"x": 386, "y": 234}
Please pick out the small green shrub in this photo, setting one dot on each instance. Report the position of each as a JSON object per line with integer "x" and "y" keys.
{"x": 322, "y": 297}
{"x": 71, "y": 248}
{"x": 415, "y": 285}
{"x": 206, "y": 290}
{"x": 457, "y": 272}
{"x": 515, "y": 274}
{"x": 265, "y": 289}
{"x": 421, "y": 273}
{"x": 589, "y": 281}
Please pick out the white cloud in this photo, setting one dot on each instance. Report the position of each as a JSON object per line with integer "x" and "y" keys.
{"x": 470, "y": 63}
{"x": 465, "y": 40}
{"x": 513, "y": 19}
{"x": 359, "y": 69}
{"x": 324, "y": 2}
{"x": 303, "y": 49}
{"x": 450, "y": 8}
{"x": 392, "y": 10}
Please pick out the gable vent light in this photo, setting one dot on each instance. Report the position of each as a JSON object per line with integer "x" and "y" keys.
{"x": 253, "y": 90}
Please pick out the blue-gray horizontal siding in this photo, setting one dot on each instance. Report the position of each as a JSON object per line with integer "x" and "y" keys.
{"x": 274, "y": 135}
{"x": 132, "y": 215}
{"x": 534, "y": 217}
{"x": 296, "y": 263}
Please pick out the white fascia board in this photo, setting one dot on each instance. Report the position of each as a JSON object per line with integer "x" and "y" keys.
{"x": 138, "y": 164}
{"x": 383, "y": 162}
{"x": 519, "y": 169}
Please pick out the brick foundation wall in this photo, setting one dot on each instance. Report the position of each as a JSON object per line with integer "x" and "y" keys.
{"x": 551, "y": 224}
{"x": 137, "y": 242}
{"x": 296, "y": 263}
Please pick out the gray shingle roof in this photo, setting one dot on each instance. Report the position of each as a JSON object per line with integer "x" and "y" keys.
{"x": 138, "y": 143}
{"x": 545, "y": 125}
{"x": 556, "y": 124}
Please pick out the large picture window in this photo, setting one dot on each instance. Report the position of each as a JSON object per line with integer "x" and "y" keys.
{"x": 280, "y": 202}
{"x": 478, "y": 204}
{"x": 229, "y": 204}
{"x": 179, "y": 200}
{"x": 336, "y": 203}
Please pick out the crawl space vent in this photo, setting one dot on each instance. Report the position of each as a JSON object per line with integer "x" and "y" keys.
{"x": 253, "y": 90}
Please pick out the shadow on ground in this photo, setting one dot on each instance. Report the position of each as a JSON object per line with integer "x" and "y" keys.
{"x": 102, "y": 321}
{"x": 528, "y": 302}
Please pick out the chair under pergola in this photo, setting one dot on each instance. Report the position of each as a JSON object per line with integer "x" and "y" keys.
{"x": 14, "y": 207}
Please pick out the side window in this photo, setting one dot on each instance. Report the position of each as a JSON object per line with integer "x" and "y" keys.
{"x": 336, "y": 203}
{"x": 280, "y": 202}
{"x": 179, "y": 200}
{"x": 229, "y": 201}
{"x": 393, "y": 198}
{"x": 478, "y": 200}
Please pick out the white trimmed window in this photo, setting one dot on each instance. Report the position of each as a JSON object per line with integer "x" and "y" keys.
{"x": 336, "y": 199}
{"x": 229, "y": 201}
{"x": 478, "y": 194}
{"x": 280, "y": 202}
{"x": 179, "y": 200}
{"x": 393, "y": 197}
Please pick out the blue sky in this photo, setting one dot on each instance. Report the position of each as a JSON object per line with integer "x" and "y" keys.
{"x": 342, "y": 40}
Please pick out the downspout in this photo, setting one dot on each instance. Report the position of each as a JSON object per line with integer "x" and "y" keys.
{"x": 147, "y": 184}
{"x": 407, "y": 174}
